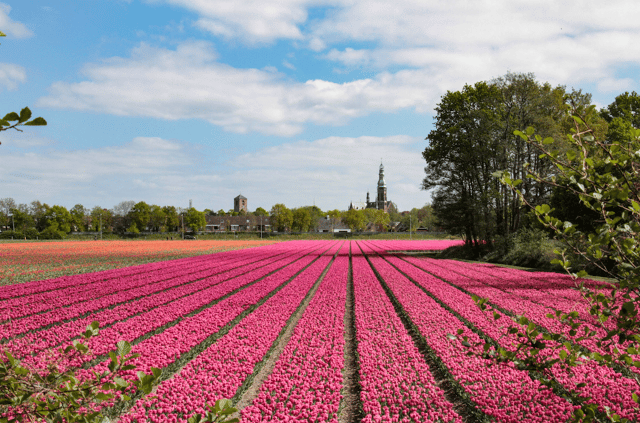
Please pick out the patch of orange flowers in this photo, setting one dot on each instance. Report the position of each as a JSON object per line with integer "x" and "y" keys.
{"x": 22, "y": 262}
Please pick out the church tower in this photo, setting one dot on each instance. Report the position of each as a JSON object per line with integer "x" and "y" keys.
{"x": 382, "y": 191}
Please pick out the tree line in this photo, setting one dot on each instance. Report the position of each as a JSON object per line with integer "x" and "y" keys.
{"x": 39, "y": 220}
{"x": 473, "y": 138}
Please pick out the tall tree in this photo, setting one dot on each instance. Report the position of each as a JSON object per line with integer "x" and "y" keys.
{"x": 6, "y": 204}
{"x": 473, "y": 138}
{"x": 261, "y": 212}
{"x": 195, "y": 219}
{"x": 281, "y": 217}
{"x": 78, "y": 217}
{"x": 172, "y": 220}
{"x": 58, "y": 219}
{"x": 354, "y": 219}
{"x": 140, "y": 215}
{"x": 157, "y": 219}
{"x": 301, "y": 219}
{"x": 38, "y": 211}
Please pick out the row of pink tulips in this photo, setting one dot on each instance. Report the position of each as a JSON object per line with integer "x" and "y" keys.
{"x": 160, "y": 309}
{"x": 39, "y": 302}
{"x": 504, "y": 393}
{"x": 122, "y": 299}
{"x": 397, "y": 385}
{"x": 120, "y": 296}
{"x": 221, "y": 369}
{"x": 62, "y": 282}
{"x": 536, "y": 301}
{"x": 65, "y": 297}
{"x": 556, "y": 291}
{"x": 506, "y": 294}
{"x": 306, "y": 381}
{"x": 602, "y": 384}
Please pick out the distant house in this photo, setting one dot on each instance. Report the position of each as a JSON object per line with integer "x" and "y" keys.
{"x": 325, "y": 224}
{"x": 237, "y": 223}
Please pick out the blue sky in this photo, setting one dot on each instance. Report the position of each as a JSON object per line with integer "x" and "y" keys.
{"x": 287, "y": 101}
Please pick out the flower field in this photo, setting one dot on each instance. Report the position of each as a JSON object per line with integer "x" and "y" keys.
{"x": 29, "y": 261}
{"x": 270, "y": 327}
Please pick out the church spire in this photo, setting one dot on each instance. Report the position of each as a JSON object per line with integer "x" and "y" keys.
{"x": 381, "y": 182}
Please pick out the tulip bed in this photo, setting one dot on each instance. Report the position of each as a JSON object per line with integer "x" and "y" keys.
{"x": 266, "y": 327}
{"x": 28, "y": 261}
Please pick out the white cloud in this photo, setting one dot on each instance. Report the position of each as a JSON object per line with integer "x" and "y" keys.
{"x": 188, "y": 83}
{"x": 331, "y": 171}
{"x": 11, "y": 75}
{"x": 253, "y": 21}
{"x": 10, "y": 27}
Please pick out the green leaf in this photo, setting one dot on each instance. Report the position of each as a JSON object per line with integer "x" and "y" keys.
{"x": 547, "y": 141}
{"x": 25, "y": 115}
{"x": 124, "y": 348}
{"x": 11, "y": 117}
{"x": 4, "y": 122}
{"x": 36, "y": 122}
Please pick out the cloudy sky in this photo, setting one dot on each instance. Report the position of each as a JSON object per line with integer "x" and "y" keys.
{"x": 292, "y": 101}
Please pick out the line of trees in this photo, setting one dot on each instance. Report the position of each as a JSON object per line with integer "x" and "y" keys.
{"x": 39, "y": 220}
{"x": 473, "y": 137}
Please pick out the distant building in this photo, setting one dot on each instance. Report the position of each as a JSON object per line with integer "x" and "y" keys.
{"x": 240, "y": 203}
{"x": 237, "y": 223}
{"x": 381, "y": 202}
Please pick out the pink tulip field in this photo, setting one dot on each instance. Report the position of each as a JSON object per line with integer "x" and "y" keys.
{"x": 268, "y": 328}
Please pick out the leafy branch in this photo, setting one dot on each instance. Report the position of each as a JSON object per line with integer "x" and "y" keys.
{"x": 605, "y": 175}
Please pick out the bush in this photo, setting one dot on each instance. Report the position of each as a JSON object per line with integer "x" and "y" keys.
{"x": 51, "y": 233}
{"x": 528, "y": 248}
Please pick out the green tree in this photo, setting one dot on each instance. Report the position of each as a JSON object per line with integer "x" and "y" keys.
{"x": 301, "y": 220}
{"x": 157, "y": 218}
{"x": 38, "y": 211}
{"x": 221, "y": 212}
{"x": 6, "y": 204}
{"x": 473, "y": 137}
{"x": 316, "y": 215}
{"x": 101, "y": 219}
{"x": 605, "y": 176}
{"x": 22, "y": 220}
{"x": 140, "y": 214}
{"x": 261, "y": 212}
{"x": 195, "y": 220}
{"x": 281, "y": 217}
{"x": 625, "y": 107}
{"x": 172, "y": 219}
{"x": 59, "y": 219}
{"x": 354, "y": 219}
{"x": 78, "y": 217}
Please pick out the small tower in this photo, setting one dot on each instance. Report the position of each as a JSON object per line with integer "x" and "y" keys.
{"x": 240, "y": 203}
{"x": 382, "y": 191}
{"x": 368, "y": 201}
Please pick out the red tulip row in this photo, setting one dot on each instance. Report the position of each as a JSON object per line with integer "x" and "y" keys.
{"x": 306, "y": 381}
{"x": 602, "y": 384}
{"x": 503, "y": 393}
{"x": 221, "y": 369}
{"x": 396, "y": 382}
